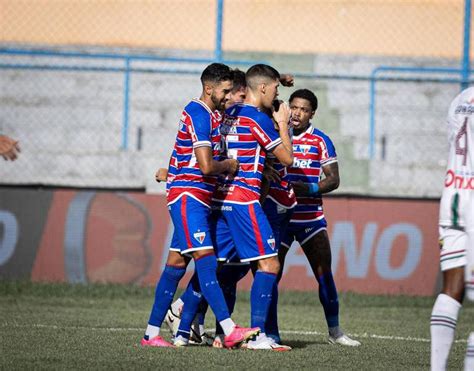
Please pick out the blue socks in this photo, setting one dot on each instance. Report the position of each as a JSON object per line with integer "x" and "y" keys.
{"x": 271, "y": 325}
{"x": 191, "y": 297}
{"x": 328, "y": 299}
{"x": 164, "y": 293}
{"x": 260, "y": 297}
{"x": 206, "y": 271}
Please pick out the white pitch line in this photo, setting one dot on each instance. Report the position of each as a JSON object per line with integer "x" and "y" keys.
{"x": 288, "y": 332}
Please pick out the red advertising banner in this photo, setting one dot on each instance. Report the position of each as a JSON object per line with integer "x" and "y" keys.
{"x": 379, "y": 246}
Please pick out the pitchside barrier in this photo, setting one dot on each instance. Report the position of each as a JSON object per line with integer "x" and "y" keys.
{"x": 379, "y": 246}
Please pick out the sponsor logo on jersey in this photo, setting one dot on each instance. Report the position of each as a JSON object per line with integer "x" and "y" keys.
{"x": 302, "y": 164}
{"x": 200, "y": 236}
{"x": 459, "y": 181}
{"x": 260, "y": 134}
{"x": 226, "y": 208}
{"x": 464, "y": 109}
{"x": 271, "y": 242}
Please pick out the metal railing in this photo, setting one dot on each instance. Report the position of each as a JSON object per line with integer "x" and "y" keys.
{"x": 127, "y": 68}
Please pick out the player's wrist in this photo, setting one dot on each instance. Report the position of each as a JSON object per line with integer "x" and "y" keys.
{"x": 313, "y": 188}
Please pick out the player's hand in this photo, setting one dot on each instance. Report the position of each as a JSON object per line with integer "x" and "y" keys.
{"x": 161, "y": 175}
{"x": 287, "y": 80}
{"x": 271, "y": 174}
{"x": 9, "y": 148}
{"x": 301, "y": 189}
{"x": 282, "y": 116}
{"x": 232, "y": 166}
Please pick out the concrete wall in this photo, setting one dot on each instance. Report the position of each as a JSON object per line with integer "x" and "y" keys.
{"x": 70, "y": 124}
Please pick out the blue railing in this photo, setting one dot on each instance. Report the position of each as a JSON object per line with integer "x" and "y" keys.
{"x": 127, "y": 69}
{"x": 406, "y": 70}
{"x": 463, "y": 72}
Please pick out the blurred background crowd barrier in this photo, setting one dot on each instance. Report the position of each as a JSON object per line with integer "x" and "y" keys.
{"x": 93, "y": 90}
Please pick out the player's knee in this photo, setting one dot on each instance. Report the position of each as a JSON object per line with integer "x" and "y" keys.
{"x": 177, "y": 260}
{"x": 453, "y": 283}
{"x": 270, "y": 265}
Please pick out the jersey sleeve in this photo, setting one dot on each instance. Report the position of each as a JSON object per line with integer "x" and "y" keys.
{"x": 327, "y": 150}
{"x": 199, "y": 127}
{"x": 265, "y": 133}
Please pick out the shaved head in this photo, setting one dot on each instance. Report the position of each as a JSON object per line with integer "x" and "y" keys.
{"x": 260, "y": 74}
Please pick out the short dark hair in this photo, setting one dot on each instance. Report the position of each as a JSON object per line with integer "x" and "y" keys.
{"x": 261, "y": 70}
{"x": 306, "y": 94}
{"x": 217, "y": 72}
{"x": 239, "y": 80}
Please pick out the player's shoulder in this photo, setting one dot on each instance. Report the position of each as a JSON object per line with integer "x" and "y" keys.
{"x": 319, "y": 134}
{"x": 234, "y": 110}
{"x": 252, "y": 113}
{"x": 197, "y": 109}
{"x": 463, "y": 103}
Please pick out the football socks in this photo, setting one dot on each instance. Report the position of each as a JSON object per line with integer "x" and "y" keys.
{"x": 444, "y": 318}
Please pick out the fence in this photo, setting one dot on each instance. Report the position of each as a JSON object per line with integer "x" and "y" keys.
{"x": 93, "y": 90}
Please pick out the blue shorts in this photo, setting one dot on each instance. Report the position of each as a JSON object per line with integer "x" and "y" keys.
{"x": 191, "y": 220}
{"x": 222, "y": 238}
{"x": 174, "y": 245}
{"x": 278, "y": 217}
{"x": 302, "y": 232}
{"x": 251, "y": 233}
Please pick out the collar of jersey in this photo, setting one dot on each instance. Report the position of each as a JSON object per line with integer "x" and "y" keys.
{"x": 197, "y": 100}
{"x": 310, "y": 127}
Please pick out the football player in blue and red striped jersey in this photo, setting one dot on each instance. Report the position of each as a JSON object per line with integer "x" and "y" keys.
{"x": 248, "y": 136}
{"x": 196, "y": 166}
{"x": 314, "y": 155}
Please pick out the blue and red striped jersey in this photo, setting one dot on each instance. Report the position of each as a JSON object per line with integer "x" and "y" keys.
{"x": 282, "y": 192}
{"x": 198, "y": 127}
{"x": 312, "y": 149}
{"x": 247, "y": 135}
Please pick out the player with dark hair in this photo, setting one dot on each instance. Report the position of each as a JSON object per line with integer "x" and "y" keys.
{"x": 195, "y": 157}
{"x": 179, "y": 328}
{"x": 314, "y": 153}
{"x": 230, "y": 271}
{"x": 249, "y": 135}
{"x": 456, "y": 233}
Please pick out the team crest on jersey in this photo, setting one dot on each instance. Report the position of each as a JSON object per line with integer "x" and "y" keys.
{"x": 200, "y": 236}
{"x": 304, "y": 148}
{"x": 271, "y": 242}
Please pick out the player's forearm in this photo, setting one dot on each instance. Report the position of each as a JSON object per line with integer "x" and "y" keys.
{"x": 216, "y": 167}
{"x": 287, "y": 145}
{"x": 328, "y": 184}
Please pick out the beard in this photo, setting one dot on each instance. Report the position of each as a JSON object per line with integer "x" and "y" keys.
{"x": 218, "y": 103}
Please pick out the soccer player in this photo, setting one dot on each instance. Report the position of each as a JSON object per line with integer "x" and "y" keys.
{"x": 456, "y": 233}
{"x": 230, "y": 270}
{"x": 314, "y": 153}
{"x": 9, "y": 148}
{"x": 189, "y": 196}
{"x": 249, "y": 135}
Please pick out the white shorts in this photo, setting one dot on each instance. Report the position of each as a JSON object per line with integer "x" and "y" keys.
{"x": 453, "y": 243}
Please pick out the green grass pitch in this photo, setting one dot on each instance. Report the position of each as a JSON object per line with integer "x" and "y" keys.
{"x": 58, "y": 326}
